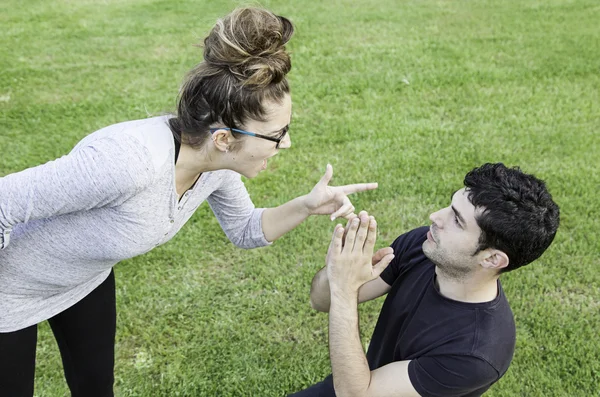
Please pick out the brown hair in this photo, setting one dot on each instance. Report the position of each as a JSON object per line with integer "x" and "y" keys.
{"x": 245, "y": 64}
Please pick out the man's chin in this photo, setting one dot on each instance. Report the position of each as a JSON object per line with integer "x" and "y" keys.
{"x": 429, "y": 252}
{"x": 427, "y": 247}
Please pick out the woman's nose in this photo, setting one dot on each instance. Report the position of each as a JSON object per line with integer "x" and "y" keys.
{"x": 286, "y": 142}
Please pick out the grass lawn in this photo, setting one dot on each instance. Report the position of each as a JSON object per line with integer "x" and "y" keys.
{"x": 410, "y": 94}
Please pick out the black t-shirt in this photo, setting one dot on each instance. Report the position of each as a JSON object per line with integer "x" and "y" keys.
{"x": 455, "y": 348}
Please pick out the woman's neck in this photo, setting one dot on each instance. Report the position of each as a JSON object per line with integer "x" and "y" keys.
{"x": 191, "y": 163}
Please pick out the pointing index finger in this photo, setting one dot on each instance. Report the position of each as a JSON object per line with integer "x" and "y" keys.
{"x": 358, "y": 187}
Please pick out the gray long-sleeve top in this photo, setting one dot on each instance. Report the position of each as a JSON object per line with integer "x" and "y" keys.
{"x": 66, "y": 223}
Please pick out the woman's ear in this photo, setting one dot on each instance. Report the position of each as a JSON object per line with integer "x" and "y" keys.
{"x": 222, "y": 139}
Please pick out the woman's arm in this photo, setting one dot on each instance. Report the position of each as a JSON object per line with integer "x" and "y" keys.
{"x": 249, "y": 227}
{"x": 322, "y": 200}
{"x": 239, "y": 219}
{"x": 278, "y": 221}
{"x": 103, "y": 172}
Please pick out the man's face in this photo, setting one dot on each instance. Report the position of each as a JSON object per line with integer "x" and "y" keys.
{"x": 453, "y": 238}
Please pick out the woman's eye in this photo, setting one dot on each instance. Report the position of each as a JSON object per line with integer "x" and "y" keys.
{"x": 284, "y": 131}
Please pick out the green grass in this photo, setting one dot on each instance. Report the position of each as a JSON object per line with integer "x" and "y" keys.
{"x": 410, "y": 94}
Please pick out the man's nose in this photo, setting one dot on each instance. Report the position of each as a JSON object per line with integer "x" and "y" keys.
{"x": 435, "y": 217}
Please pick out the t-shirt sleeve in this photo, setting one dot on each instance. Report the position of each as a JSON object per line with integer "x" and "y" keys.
{"x": 239, "y": 219}
{"x": 100, "y": 173}
{"x": 406, "y": 247}
{"x": 451, "y": 375}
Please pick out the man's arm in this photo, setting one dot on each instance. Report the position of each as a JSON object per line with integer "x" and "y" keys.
{"x": 348, "y": 268}
{"x": 319, "y": 289}
{"x": 351, "y": 374}
{"x": 320, "y": 293}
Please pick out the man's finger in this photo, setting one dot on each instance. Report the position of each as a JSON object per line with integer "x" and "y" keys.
{"x": 350, "y": 218}
{"x": 371, "y": 236}
{"x": 351, "y": 236}
{"x": 380, "y": 254}
{"x": 335, "y": 247}
{"x": 363, "y": 231}
{"x": 326, "y": 178}
{"x": 332, "y": 239}
{"x": 383, "y": 263}
{"x": 358, "y": 187}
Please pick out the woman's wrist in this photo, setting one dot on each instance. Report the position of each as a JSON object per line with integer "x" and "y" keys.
{"x": 304, "y": 206}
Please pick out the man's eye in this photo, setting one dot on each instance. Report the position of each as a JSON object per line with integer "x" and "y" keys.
{"x": 457, "y": 222}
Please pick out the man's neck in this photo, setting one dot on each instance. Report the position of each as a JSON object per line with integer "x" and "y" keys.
{"x": 475, "y": 288}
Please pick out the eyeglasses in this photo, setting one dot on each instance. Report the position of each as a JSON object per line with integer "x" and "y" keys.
{"x": 277, "y": 139}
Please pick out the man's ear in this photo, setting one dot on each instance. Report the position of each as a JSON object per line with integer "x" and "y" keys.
{"x": 221, "y": 139}
{"x": 495, "y": 259}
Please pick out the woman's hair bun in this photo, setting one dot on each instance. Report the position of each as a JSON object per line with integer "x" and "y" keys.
{"x": 250, "y": 44}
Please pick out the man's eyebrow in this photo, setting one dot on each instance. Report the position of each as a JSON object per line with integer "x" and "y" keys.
{"x": 452, "y": 194}
{"x": 459, "y": 216}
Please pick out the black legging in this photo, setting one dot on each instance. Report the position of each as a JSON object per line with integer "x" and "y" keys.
{"x": 85, "y": 334}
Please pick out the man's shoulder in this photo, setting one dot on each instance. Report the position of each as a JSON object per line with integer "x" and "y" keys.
{"x": 495, "y": 338}
{"x": 485, "y": 331}
{"x": 480, "y": 347}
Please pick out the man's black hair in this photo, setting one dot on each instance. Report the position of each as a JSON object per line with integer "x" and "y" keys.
{"x": 519, "y": 216}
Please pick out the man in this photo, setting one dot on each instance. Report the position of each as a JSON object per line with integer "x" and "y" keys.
{"x": 445, "y": 328}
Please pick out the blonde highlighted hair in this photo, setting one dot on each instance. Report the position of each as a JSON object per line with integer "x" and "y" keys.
{"x": 245, "y": 64}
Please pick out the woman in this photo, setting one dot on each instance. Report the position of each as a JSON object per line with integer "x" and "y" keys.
{"x": 130, "y": 187}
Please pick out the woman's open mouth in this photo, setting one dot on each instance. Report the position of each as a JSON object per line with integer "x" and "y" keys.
{"x": 264, "y": 164}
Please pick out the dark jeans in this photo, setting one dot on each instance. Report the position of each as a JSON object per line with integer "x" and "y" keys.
{"x": 85, "y": 334}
